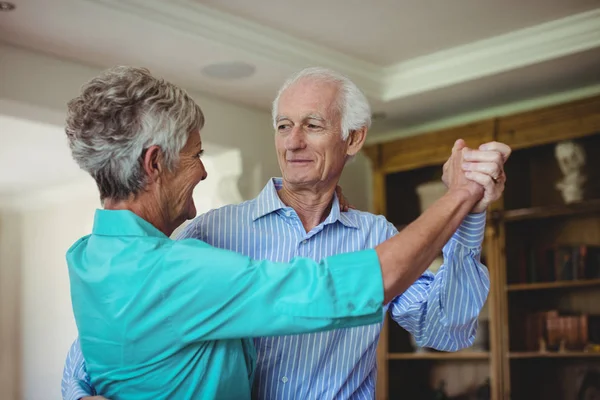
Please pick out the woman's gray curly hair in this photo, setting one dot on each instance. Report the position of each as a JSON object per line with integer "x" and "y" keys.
{"x": 117, "y": 116}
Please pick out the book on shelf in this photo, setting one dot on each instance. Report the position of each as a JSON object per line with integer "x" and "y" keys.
{"x": 552, "y": 263}
{"x": 549, "y": 330}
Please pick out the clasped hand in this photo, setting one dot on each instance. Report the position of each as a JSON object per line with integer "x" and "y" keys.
{"x": 479, "y": 171}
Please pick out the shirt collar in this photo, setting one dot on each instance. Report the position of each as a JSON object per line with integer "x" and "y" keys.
{"x": 123, "y": 223}
{"x": 268, "y": 201}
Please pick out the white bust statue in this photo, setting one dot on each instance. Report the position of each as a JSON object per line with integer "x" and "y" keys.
{"x": 571, "y": 159}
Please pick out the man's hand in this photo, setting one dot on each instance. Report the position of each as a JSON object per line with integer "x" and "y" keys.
{"x": 455, "y": 176}
{"x": 486, "y": 167}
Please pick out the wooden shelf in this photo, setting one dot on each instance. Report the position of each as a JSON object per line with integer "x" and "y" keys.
{"x": 434, "y": 355}
{"x": 553, "y": 285}
{"x": 401, "y": 166}
{"x": 549, "y": 354}
{"x": 583, "y": 207}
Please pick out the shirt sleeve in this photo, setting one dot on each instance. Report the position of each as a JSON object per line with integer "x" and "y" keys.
{"x": 210, "y": 294}
{"x": 441, "y": 310}
{"x": 76, "y": 382}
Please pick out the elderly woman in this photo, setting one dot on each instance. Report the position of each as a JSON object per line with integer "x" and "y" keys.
{"x": 162, "y": 319}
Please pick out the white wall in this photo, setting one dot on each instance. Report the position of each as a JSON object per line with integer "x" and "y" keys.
{"x": 47, "y": 324}
{"x": 10, "y": 289}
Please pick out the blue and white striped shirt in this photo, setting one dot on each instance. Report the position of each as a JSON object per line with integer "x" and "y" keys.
{"x": 441, "y": 311}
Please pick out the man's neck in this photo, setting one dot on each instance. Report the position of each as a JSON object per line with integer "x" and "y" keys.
{"x": 312, "y": 205}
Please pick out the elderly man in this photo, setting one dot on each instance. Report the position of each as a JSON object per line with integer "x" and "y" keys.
{"x": 321, "y": 120}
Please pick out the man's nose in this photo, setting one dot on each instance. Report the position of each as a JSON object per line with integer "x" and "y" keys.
{"x": 295, "y": 140}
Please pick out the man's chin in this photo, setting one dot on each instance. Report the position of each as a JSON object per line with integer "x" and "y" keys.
{"x": 299, "y": 180}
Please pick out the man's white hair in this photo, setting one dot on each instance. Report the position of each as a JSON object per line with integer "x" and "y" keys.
{"x": 352, "y": 103}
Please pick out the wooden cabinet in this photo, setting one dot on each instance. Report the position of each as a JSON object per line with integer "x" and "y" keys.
{"x": 540, "y": 251}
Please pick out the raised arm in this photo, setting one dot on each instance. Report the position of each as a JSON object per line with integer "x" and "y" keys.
{"x": 441, "y": 311}
{"x": 407, "y": 255}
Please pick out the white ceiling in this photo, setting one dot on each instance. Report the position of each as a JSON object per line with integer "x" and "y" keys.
{"x": 386, "y": 32}
{"x": 418, "y": 60}
{"x": 395, "y": 50}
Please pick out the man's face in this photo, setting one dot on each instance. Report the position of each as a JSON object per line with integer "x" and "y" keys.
{"x": 308, "y": 137}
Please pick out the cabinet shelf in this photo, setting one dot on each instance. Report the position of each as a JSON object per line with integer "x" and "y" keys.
{"x": 583, "y": 207}
{"x": 460, "y": 355}
{"x": 553, "y": 285}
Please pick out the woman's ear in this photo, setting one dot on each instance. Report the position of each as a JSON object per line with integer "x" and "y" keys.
{"x": 153, "y": 162}
{"x": 356, "y": 140}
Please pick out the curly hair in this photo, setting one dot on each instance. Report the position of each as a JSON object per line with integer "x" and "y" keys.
{"x": 117, "y": 116}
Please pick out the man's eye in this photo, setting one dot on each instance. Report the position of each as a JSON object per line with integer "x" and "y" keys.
{"x": 282, "y": 127}
{"x": 313, "y": 126}
{"x": 200, "y": 154}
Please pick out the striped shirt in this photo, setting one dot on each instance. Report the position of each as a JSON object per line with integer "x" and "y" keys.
{"x": 440, "y": 311}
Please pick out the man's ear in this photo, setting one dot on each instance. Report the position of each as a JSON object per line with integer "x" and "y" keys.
{"x": 153, "y": 163}
{"x": 356, "y": 140}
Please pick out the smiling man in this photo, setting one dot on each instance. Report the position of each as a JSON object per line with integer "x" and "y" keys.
{"x": 321, "y": 120}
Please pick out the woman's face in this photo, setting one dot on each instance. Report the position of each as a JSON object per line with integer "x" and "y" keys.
{"x": 180, "y": 183}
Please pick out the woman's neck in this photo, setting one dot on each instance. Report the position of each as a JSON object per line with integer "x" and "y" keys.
{"x": 144, "y": 207}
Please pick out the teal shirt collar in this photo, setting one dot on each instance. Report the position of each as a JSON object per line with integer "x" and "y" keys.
{"x": 123, "y": 223}
{"x": 268, "y": 201}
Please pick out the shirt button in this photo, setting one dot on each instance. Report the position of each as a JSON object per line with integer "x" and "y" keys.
{"x": 350, "y": 307}
{"x": 284, "y": 379}
{"x": 304, "y": 241}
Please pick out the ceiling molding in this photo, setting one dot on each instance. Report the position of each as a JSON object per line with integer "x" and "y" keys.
{"x": 498, "y": 54}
